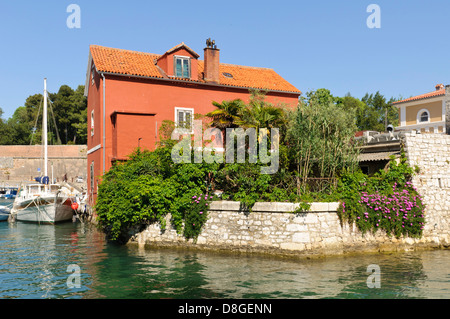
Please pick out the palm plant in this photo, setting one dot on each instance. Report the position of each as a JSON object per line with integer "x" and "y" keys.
{"x": 227, "y": 114}
{"x": 261, "y": 116}
{"x": 257, "y": 114}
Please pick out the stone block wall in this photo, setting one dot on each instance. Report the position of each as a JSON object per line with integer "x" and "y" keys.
{"x": 273, "y": 229}
{"x": 431, "y": 153}
{"x": 20, "y": 163}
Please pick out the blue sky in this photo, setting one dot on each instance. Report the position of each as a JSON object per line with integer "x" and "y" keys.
{"x": 312, "y": 44}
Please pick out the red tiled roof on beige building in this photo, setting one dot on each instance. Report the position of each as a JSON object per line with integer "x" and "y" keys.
{"x": 440, "y": 90}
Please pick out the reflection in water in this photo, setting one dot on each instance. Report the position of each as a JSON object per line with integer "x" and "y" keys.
{"x": 34, "y": 263}
{"x": 34, "y": 259}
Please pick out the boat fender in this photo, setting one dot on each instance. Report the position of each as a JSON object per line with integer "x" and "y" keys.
{"x": 74, "y": 206}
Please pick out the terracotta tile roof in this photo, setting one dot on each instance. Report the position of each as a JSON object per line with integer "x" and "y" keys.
{"x": 423, "y": 96}
{"x": 252, "y": 77}
{"x": 135, "y": 63}
{"x": 124, "y": 61}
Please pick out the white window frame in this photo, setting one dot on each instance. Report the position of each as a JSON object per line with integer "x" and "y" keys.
{"x": 175, "y": 57}
{"x": 182, "y": 129}
{"x": 92, "y": 123}
{"x": 419, "y": 116}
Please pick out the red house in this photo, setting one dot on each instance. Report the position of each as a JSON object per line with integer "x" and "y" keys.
{"x": 131, "y": 93}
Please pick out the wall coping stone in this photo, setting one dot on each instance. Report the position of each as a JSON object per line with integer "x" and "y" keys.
{"x": 272, "y": 207}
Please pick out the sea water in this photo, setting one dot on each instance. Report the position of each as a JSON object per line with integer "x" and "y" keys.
{"x": 73, "y": 260}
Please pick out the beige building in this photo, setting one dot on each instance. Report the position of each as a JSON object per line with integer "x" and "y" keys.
{"x": 426, "y": 112}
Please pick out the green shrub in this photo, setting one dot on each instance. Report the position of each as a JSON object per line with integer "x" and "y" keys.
{"x": 196, "y": 216}
{"x": 146, "y": 188}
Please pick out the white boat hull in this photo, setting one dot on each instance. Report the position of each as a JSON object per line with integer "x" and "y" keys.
{"x": 4, "y": 213}
{"x": 44, "y": 210}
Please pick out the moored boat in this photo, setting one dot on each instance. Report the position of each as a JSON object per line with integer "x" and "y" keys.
{"x": 40, "y": 203}
{"x": 8, "y": 192}
{"x": 4, "y": 213}
{"x": 43, "y": 202}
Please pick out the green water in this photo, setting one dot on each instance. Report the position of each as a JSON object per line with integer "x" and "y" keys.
{"x": 35, "y": 263}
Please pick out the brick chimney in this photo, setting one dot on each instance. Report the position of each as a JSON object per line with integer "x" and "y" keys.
{"x": 439, "y": 87}
{"x": 212, "y": 60}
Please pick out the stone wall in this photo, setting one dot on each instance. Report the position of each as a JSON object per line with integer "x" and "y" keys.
{"x": 21, "y": 163}
{"x": 431, "y": 153}
{"x": 272, "y": 228}
{"x": 447, "y": 109}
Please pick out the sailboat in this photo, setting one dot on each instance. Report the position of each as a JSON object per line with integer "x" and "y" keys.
{"x": 43, "y": 202}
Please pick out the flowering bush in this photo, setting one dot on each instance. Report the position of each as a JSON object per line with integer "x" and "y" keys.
{"x": 196, "y": 216}
{"x": 387, "y": 201}
{"x": 398, "y": 213}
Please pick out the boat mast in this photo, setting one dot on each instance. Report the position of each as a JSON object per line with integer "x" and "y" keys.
{"x": 44, "y": 129}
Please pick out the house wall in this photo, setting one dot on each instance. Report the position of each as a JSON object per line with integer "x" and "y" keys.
{"x": 137, "y": 127}
{"x": 435, "y": 109}
{"x": 438, "y": 107}
{"x": 94, "y": 159}
{"x": 161, "y": 98}
{"x": 94, "y": 102}
{"x": 94, "y": 142}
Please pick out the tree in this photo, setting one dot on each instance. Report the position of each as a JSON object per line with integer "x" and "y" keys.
{"x": 261, "y": 114}
{"x": 384, "y": 111}
{"x": 322, "y": 97}
{"x": 320, "y": 138}
{"x": 5, "y": 131}
{"x": 257, "y": 114}
{"x": 70, "y": 109}
{"x": 367, "y": 118}
{"x": 19, "y": 128}
{"x": 67, "y": 119}
{"x": 227, "y": 114}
